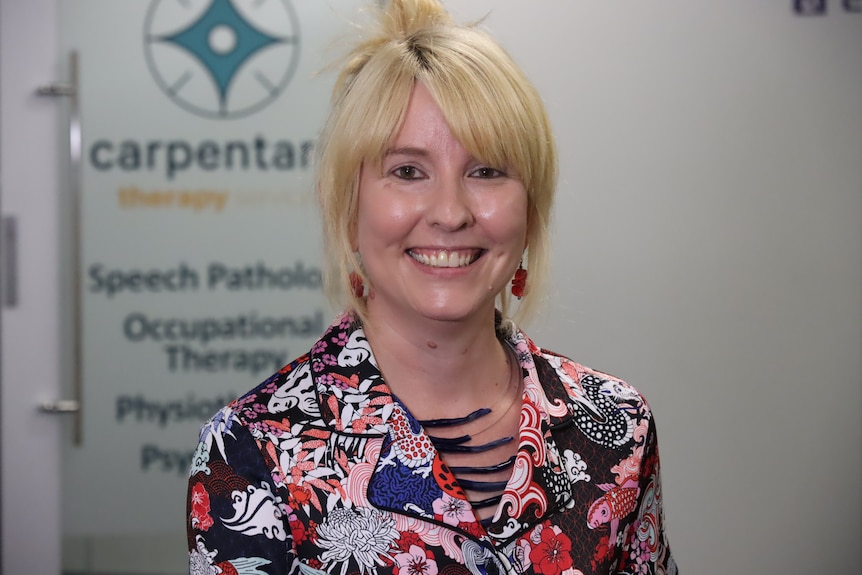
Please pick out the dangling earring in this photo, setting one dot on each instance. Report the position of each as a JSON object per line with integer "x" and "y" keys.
{"x": 356, "y": 285}
{"x": 519, "y": 282}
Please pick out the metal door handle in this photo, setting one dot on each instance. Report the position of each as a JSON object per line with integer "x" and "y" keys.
{"x": 57, "y": 90}
{"x": 61, "y": 406}
{"x": 71, "y": 90}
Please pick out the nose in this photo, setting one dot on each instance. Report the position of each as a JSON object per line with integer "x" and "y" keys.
{"x": 450, "y": 207}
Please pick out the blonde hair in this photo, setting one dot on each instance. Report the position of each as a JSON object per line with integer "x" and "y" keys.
{"x": 488, "y": 103}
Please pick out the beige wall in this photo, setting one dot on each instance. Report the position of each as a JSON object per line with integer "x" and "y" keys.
{"x": 708, "y": 248}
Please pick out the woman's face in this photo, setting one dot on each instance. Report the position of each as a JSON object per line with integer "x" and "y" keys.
{"x": 439, "y": 233}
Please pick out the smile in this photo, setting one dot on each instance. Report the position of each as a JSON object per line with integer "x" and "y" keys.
{"x": 445, "y": 258}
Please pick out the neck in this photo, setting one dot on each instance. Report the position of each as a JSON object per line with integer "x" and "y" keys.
{"x": 422, "y": 363}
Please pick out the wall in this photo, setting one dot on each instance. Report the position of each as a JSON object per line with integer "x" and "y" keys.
{"x": 708, "y": 249}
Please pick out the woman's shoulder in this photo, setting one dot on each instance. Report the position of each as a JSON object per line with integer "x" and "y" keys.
{"x": 603, "y": 407}
{"x": 570, "y": 369}
{"x": 580, "y": 376}
{"x": 587, "y": 391}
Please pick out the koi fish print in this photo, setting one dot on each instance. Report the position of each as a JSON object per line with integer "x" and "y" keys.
{"x": 614, "y": 505}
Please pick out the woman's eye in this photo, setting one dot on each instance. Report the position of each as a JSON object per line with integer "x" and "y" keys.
{"x": 486, "y": 172}
{"x": 407, "y": 172}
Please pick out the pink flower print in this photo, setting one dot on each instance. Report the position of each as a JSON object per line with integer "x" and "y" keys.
{"x": 640, "y": 556}
{"x": 453, "y": 510}
{"x": 263, "y": 427}
{"x": 325, "y": 380}
{"x": 416, "y": 562}
{"x": 329, "y": 359}
{"x": 253, "y": 410}
{"x": 553, "y": 554}
{"x": 318, "y": 347}
{"x": 243, "y": 401}
{"x": 340, "y": 338}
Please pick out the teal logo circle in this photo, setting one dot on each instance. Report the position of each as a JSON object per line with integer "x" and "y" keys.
{"x": 222, "y": 58}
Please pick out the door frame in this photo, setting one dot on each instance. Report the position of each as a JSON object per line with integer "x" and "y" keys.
{"x": 30, "y": 344}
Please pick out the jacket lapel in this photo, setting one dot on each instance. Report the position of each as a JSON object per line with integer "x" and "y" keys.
{"x": 409, "y": 476}
{"x": 540, "y": 485}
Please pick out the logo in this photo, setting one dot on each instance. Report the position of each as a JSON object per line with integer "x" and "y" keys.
{"x": 222, "y": 58}
{"x": 810, "y": 7}
{"x": 819, "y": 7}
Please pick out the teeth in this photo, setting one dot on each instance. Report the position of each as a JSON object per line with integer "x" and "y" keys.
{"x": 445, "y": 259}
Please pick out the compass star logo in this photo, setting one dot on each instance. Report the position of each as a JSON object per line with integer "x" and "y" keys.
{"x": 222, "y": 58}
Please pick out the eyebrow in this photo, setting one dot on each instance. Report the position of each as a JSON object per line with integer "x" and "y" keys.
{"x": 405, "y": 151}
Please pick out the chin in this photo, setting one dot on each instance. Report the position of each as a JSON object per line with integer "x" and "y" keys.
{"x": 449, "y": 310}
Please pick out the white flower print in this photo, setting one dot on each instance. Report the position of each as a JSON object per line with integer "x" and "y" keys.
{"x": 201, "y": 559}
{"x": 200, "y": 564}
{"x": 365, "y": 535}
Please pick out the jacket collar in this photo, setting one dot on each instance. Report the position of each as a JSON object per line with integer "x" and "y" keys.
{"x": 354, "y": 400}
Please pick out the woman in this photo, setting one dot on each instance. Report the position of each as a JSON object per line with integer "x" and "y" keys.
{"x": 424, "y": 433}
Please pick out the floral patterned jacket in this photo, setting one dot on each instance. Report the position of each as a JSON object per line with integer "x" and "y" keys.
{"x": 321, "y": 471}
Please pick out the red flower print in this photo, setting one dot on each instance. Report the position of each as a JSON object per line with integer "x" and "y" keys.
{"x": 299, "y": 495}
{"x": 297, "y": 530}
{"x": 200, "y": 515}
{"x": 602, "y": 552}
{"x": 474, "y": 528}
{"x": 408, "y": 539}
{"x": 552, "y": 555}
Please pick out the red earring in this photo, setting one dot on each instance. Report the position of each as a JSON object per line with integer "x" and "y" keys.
{"x": 356, "y": 285}
{"x": 519, "y": 282}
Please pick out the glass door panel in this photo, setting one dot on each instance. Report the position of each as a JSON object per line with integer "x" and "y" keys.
{"x": 199, "y": 266}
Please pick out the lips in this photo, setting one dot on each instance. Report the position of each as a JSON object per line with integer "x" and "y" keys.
{"x": 445, "y": 258}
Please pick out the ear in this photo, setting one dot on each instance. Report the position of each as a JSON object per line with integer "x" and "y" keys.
{"x": 353, "y": 212}
{"x": 353, "y": 237}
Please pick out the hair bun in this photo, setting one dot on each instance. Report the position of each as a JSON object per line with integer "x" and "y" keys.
{"x": 397, "y": 21}
{"x": 402, "y": 18}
